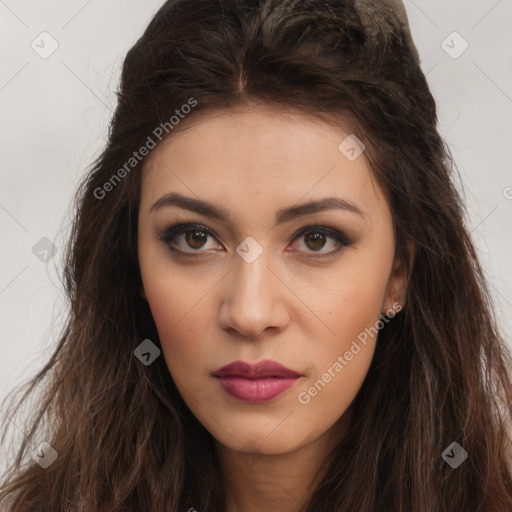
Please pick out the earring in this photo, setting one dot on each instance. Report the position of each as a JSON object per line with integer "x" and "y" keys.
{"x": 393, "y": 309}
{"x": 399, "y": 306}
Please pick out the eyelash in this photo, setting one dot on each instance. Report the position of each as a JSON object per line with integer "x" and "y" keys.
{"x": 182, "y": 226}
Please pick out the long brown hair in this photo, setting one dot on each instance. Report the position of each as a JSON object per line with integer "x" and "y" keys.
{"x": 125, "y": 439}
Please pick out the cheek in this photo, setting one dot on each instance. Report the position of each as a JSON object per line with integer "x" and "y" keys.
{"x": 179, "y": 316}
{"x": 357, "y": 300}
{"x": 343, "y": 358}
{"x": 169, "y": 290}
{"x": 341, "y": 362}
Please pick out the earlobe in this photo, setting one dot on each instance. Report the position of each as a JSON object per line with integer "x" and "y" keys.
{"x": 394, "y": 307}
{"x": 398, "y": 283}
{"x": 395, "y": 294}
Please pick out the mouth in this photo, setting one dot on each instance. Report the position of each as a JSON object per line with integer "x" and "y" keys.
{"x": 256, "y": 390}
{"x": 260, "y": 370}
{"x": 256, "y": 383}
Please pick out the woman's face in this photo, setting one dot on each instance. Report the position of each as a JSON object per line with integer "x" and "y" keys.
{"x": 261, "y": 280}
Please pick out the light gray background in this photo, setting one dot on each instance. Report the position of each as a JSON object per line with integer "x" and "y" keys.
{"x": 55, "y": 113}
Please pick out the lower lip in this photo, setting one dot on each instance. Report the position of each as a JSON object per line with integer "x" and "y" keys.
{"x": 256, "y": 390}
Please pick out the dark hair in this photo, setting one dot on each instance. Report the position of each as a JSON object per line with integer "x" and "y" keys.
{"x": 440, "y": 374}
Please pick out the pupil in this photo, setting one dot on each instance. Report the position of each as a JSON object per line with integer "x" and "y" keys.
{"x": 318, "y": 240}
{"x": 192, "y": 237}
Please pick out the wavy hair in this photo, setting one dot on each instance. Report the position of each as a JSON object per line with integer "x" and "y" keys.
{"x": 125, "y": 439}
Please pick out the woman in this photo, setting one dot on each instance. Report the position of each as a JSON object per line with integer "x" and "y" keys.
{"x": 275, "y": 303}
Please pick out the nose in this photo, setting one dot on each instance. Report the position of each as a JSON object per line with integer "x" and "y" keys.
{"x": 254, "y": 299}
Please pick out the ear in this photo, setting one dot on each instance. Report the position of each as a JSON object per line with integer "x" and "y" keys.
{"x": 396, "y": 289}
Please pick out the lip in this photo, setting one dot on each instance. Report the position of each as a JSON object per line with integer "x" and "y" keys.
{"x": 256, "y": 383}
{"x": 262, "y": 369}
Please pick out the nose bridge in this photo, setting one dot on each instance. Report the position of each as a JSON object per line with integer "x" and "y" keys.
{"x": 251, "y": 275}
{"x": 250, "y": 303}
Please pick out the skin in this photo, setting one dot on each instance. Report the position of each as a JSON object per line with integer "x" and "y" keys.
{"x": 303, "y": 313}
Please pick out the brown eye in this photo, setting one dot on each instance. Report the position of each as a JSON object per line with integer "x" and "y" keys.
{"x": 315, "y": 241}
{"x": 195, "y": 239}
{"x": 188, "y": 239}
{"x": 316, "y": 238}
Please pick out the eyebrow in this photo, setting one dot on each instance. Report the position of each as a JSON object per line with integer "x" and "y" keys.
{"x": 284, "y": 215}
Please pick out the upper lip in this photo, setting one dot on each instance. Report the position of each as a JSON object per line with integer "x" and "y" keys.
{"x": 259, "y": 370}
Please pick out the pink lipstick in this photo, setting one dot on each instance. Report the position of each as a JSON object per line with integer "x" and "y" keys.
{"x": 256, "y": 383}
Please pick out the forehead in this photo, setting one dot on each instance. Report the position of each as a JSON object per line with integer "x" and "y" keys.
{"x": 258, "y": 152}
{"x": 251, "y": 130}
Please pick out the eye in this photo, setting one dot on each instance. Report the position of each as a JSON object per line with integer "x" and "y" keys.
{"x": 188, "y": 238}
{"x": 315, "y": 238}
{"x": 192, "y": 236}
